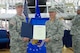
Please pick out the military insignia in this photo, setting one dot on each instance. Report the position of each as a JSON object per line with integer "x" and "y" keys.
{"x": 39, "y": 43}
{"x": 34, "y": 41}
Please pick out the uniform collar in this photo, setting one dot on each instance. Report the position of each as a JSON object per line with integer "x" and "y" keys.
{"x": 20, "y": 17}
{"x": 53, "y": 20}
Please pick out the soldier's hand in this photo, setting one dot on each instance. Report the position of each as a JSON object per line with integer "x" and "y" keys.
{"x": 47, "y": 40}
{"x": 25, "y": 39}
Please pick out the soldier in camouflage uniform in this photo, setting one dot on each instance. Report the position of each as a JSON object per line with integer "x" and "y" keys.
{"x": 55, "y": 33}
{"x": 17, "y": 43}
{"x": 75, "y": 32}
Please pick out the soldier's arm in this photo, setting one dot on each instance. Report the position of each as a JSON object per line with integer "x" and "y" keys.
{"x": 19, "y": 30}
{"x": 48, "y": 33}
{"x": 12, "y": 24}
{"x": 73, "y": 27}
{"x": 12, "y": 28}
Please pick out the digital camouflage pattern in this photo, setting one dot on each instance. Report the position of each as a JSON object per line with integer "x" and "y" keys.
{"x": 55, "y": 32}
{"x": 17, "y": 45}
{"x": 75, "y": 32}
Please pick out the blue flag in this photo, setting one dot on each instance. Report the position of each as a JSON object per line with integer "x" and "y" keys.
{"x": 37, "y": 10}
{"x": 26, "y": 11}
{"x": 36, "y": 46}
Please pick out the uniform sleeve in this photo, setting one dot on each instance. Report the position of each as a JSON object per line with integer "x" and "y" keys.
{"x": 73, "y": 27}
{"x": 48, "y": 31}
{"x": 15, "y": 35}
{"x": 13, "y": 30}
{"x": 12, "y": 23}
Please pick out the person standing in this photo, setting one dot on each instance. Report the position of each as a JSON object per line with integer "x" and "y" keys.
{"x": 55, "y": 32}
{"x": 17, "y": 43}
{"x": 75, "y": 32}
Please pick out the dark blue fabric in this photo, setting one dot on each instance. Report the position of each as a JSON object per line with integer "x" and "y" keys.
{"x": 38, "y": 21}
{"x": 37, "y": 11}
{"x": 67, "y": 39}
{"x": 3, "y": 34}
{"x": 4, "y": 40}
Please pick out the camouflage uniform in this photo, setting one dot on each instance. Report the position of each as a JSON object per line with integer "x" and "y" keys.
{"x": 55, "y": 33}
{"x": 17, "y": 45}
{"x": 75, "y": 32}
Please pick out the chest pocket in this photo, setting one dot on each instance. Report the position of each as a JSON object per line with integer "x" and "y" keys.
{"x": 18, "y": 24}
{"x": 53, "y": 28}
